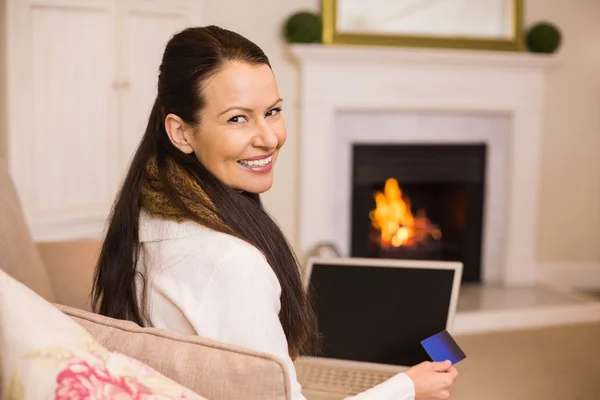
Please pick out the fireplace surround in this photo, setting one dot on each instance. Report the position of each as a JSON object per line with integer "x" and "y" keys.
{"x": 354, "y": 95}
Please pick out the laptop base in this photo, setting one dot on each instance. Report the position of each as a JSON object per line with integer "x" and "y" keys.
{"x": 338, "y": 380}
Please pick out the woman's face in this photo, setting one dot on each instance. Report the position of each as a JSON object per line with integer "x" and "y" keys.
{"x": 241, "y": 127}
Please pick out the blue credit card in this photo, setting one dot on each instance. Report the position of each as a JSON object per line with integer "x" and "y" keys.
{"x": 442, "y": 347}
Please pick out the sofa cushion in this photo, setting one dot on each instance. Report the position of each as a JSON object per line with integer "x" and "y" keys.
{"x": 216, "y": 370}
{"x": 19, "y": 256}
{"x": 47, "y": 355}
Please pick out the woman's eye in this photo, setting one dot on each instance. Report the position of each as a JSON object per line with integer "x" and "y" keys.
{"x": 273, "y": 111}
{"x": 238, "y": 119}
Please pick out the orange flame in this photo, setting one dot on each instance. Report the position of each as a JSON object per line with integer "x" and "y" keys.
{"x": 393, "y": 218}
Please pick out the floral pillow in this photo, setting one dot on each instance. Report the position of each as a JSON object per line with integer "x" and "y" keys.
{"x": 46, "y": 355}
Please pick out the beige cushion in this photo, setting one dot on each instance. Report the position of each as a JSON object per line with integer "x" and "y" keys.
{"x": 71, "y": 266}
{"x": 18, "y": 254}
{"x": 217, "y": 371}
{"x": 46, "y": 355}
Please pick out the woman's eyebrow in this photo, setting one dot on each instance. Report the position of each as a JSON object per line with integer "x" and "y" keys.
{"x": 249, "y": 110}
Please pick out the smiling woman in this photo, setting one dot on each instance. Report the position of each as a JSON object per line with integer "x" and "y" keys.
{"x": 254, "y": 89}
{"x": 189, "y": 246}
{"x": 241, "y": 130}
{"x": 216, "y": 112}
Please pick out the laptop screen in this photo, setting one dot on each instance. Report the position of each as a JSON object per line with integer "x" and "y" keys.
{"x": 379, "y": 314}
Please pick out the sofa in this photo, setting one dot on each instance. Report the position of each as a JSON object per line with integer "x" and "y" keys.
{"x": 211, "y": 369}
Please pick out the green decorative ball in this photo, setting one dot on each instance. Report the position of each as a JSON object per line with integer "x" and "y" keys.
{"x": 303, "y": 27}
{"x": 543, "y": 37}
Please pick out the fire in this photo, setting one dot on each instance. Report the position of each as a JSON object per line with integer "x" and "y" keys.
{"x": 393, "y": 218}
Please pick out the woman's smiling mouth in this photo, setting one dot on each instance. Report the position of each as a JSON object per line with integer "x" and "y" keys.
{"x": 259, "y": 164}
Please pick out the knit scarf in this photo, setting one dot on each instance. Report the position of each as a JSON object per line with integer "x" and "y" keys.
{"x": 156, "y": 202}
{"x": 186, "y": 188}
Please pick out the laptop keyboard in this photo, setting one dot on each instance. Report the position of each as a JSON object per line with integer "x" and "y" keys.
{"x": 339, "y": 379}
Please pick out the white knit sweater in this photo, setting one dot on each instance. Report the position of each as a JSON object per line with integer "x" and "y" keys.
{"x": 207, "y": 283}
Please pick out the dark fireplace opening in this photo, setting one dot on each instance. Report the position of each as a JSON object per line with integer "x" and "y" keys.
{"x": 419, "y": 202}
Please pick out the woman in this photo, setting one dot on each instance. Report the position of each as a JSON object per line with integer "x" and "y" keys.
{"x": 189, "y": 246}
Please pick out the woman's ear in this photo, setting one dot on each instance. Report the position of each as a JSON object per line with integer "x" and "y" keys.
{"x": 177, "y": 131}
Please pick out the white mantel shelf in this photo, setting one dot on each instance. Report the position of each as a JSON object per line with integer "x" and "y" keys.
{"x": 317, "y": 53}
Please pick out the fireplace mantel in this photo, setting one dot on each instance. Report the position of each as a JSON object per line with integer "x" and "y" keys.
{"x": 345, "y": 55}
{"x": 342, "y": 79}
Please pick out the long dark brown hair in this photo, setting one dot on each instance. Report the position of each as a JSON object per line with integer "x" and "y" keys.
{"x": 190, "y": 57}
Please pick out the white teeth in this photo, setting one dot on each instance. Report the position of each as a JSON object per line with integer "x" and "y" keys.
{"x": 256, "y": 163}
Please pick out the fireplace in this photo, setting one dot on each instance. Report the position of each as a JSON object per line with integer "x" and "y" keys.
{"x": 419, "y": 201}
{"x": 358, "y": 95}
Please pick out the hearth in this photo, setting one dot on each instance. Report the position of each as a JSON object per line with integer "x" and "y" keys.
{"x": 419, "y": 201}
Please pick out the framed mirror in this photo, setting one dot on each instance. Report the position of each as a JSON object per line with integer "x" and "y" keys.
{"x": 459, "y": 24}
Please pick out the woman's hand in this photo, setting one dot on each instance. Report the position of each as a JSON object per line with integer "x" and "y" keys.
{"x": 432, "y": 380}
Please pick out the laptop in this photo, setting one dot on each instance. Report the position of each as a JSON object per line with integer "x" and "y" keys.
{"x": 372, "y": 315}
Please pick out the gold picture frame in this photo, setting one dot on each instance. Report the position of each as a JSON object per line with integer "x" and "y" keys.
{"x": 333, "y": 35}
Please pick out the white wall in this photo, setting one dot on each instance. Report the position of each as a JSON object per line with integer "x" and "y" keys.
{"x": 570, "y": 206}
{"x": 569, "y": 228}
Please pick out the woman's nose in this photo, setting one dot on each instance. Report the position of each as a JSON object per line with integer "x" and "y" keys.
{"x": 265, "y": 137}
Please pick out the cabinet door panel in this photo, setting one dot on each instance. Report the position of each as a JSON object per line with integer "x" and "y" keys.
{"x": 67, "y": 145}
{"x": 146, "y": 29}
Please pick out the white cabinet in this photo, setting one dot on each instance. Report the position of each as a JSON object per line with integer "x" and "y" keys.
{"x": 81, "y": 78}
